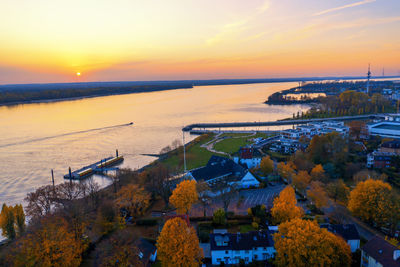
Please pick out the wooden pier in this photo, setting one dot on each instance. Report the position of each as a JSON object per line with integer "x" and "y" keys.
{"x": 99, "y": 167}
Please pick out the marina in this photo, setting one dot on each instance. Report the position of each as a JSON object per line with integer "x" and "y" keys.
{"x": 99, "y": 167}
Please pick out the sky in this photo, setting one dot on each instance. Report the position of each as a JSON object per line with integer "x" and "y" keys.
{"x": 127, "y": 40}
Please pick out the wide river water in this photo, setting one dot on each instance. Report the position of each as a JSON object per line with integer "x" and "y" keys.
{"x": 35, "y": 138}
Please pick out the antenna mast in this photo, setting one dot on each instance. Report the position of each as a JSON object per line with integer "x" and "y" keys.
{"x": 368, "y": 77}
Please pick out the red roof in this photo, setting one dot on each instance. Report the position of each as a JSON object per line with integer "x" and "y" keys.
{"x": 246, "y": 153}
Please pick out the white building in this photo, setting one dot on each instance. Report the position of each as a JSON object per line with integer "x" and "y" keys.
{"x": 231, "y": 248}
{"x": 248, "y": 156}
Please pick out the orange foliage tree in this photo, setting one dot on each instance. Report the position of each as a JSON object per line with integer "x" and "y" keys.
{"x": 286, "y": 171}
{"x": 318, "y": 194}
{"x": 184, "y": 196}
{"x": 178, "y": 245}
{"x": 285, "y": 207}
{"x": 302, "y": 243}
{"x": 373, "y": 201}
{"x": 318, "y": 173}
{"x": 133, "y": 198}
{"x": 266, "y": 165}
{"x": 52, "y": 244}
{"x": 301, "y": 180}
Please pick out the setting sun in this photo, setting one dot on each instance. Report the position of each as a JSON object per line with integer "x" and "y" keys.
{"x": 78, "y": 74}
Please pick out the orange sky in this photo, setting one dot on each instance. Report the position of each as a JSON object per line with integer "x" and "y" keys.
{"x": 50, "y": 41}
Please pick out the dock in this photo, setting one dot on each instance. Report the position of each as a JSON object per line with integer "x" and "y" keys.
{"x": 99, "y": 167}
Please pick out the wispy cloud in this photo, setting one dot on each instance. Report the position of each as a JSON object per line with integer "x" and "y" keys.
{"x": 343, "y": 7}
{"x": 264, "y": 7}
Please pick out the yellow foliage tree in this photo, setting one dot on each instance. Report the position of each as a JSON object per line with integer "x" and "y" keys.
{"x": 372, "y": 201}
{"x": 318, "y": 194}
{"x": 133, "y": 198}
{"x": 178, "y": 245}
{"x": 301, "y": 180}
{"x": 267, "y": 165}
{"x": 52, "y": 244}
{"x": 184, "y": 196}
{"x": 302, "y": 243}
{"x": 285, "y": 207}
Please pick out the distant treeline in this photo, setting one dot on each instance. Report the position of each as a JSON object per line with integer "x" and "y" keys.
{"x": 21, "y": 96}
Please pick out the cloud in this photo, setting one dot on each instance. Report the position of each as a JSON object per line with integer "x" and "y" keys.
{"x": 343, "y": 7}
{"x": 263, "y": 8}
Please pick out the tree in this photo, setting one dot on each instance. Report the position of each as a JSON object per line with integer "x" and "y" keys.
{"x": 285, "y": 206}
{"x": 178, "y": 245}
{"x": 226, "y": 192}
{"x": 41, "y": 202}
{"x": 51, "y": 244}
{"x": 204, "y": 195}
{"x": 160, "y": 182}
{"x": 317, "y": 194}
{"x": 302, "y": 243}
{"x": 266, "y": 165}
{"x": 134, "y": 199}
{"x": 338, "y": 190}
{"x": 372, "y": 201}
{"x": 7, "y": 221}
{"x": 184, "y": 196}
{"x": 19, "y": 219}
{"x": 301, "y": 180}
{"x": 219, "y": 217}
{"x": 318, "y": 173}
{"x": 119, "y": 250}
{"x": 286, "y": 171}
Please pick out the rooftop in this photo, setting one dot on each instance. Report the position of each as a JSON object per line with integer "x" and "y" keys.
{"x": 347, "y": 231}
{"x": 382, "y": 251}
{"x": 239, "y": 241}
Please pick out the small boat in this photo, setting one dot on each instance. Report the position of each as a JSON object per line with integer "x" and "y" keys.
{"x": 130, "y": 123}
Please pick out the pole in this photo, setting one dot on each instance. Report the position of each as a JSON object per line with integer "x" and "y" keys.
{"x": 116, "y": 152}
{"x": 52, "y": 177}
{"x": 184, "y": 152}
{"x": 70, "y": 175}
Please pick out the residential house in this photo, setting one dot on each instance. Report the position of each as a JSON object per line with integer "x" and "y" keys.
{"x": 347, "y": 231}
{"x": 248, "y": 156}
{"x": 377, "y": 252}
{"x": 380, "y": 160}
{"x": 230, "y": 248}
{"x": 147, "y": 251}
{"x": 220, "y": 168}
{"x": 391, "y": 147}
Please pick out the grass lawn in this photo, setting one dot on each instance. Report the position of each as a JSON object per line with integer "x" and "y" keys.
{"x": 246, "y": 228}
{"x": 196, "y": 156}
{"x": 232, "y": 145}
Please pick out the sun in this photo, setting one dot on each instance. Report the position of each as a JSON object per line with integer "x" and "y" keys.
{"x": 78, "y": 74}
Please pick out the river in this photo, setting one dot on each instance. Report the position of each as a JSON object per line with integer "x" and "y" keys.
{"x": 35, "y": 138}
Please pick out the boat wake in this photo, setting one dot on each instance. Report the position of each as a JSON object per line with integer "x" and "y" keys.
{"x": 64, "y": 134}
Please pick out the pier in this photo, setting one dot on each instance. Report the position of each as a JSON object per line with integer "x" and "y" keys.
{"x": 99, "y": 167}
{"x": 197, "y": 126}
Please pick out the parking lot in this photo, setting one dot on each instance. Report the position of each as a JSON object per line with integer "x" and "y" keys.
{"x": 244, "y": 200}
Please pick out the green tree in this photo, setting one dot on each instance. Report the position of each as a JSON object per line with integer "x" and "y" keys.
{"x": 219, "y": 217}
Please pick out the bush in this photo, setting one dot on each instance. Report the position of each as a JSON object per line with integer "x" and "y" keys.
{"x": 254, "y": 225}
{"x": 219, "y": 217}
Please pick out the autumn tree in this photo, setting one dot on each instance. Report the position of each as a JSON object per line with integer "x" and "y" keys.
{"x": 286, "y": 171}
{"x": 302, "y": 243}
{"x": 372, "y": 201}
{"x": 219, "y": 217}
{"x": 178, "y": 245}
{"x": 266, "y": 165}
{"x": 119, "y": 250}
{"x": 339, "y": 191}
{"x": 285, "y": 206}
{"x": 19, "y": 219}
{"x": 204, "y": 191}
{"x": 301, "y": 180}
{"x": 184, "y": 196}
{"x": 317, "y": 194}
{"x": 7, "y": 221}
{"x": 318, "y": 173}
{"x": 134, "y": 199}
{"x": 51, "y": 244}
{"x": 108, "y": 218}
{"x": 41, "y": 202}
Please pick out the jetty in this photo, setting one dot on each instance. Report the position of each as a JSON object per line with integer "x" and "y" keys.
{"x": 99, "y": 167}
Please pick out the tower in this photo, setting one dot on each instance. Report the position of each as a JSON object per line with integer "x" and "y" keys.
{"x": 368, "y": 77}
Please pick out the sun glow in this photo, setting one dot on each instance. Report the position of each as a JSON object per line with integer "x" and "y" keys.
{"x": 78, "y": 74}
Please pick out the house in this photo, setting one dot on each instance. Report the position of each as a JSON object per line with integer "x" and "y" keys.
{"x": 285, "y": 146}
{"x": 380, "y": 253}
{"x": 347, "y": 231}
{"x": 230, "y": 248}
{"x": 391, "y": 147}
{"x": 219, "y": 168}
{"x": 248, "y": 156}
{"x": 147, "y": 251}
{"x": 292, "y": 134}
{"x": 380, "y": 160}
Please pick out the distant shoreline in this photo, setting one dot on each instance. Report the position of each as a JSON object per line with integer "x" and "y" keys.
{"x": 57, "y": 92}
